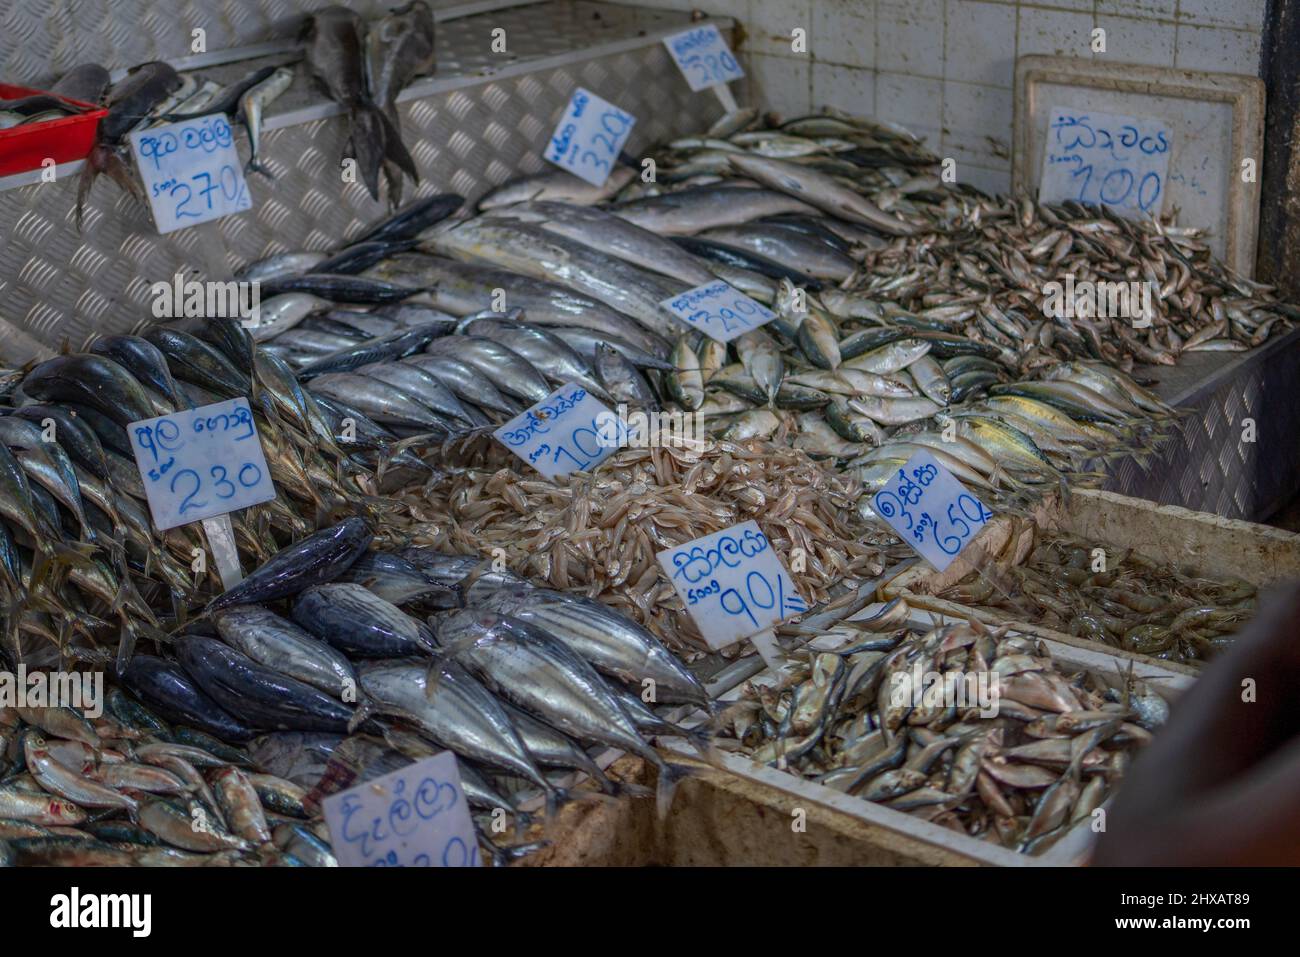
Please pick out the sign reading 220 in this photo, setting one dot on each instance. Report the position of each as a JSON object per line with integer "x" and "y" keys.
{"x": 201, "y": 462}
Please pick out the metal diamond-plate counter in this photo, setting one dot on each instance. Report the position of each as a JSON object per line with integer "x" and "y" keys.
{"x": 1210, "y": 467}
{"x": 40, "y": 39}
{"x": 56, "y": 285}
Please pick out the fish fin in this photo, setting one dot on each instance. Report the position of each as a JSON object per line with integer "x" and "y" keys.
{"x": 363, "y": 713}
{"x": 125, "y": 648}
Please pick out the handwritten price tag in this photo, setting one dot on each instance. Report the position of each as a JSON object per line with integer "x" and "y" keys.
{"x": 703, "y": 57}
{"x": 565, "y": 432}
{"x": 1119, "y": 161}
{"x": 733, "y": 583}
{"x": 931, "y": 510}
{"x": 201, "y": 462}
{"x": 191, "y": 172}
{"x": 589, "y": 137}
{"x": 718, "y": 311}
{"x": 415, "y": 817}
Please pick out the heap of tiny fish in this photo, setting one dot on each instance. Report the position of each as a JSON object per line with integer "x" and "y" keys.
{"x": 130, "y": 789}
{"x": 1134, "y": 603}
{"x": 598, "y": 533}
{"x": 1055, "y": 750}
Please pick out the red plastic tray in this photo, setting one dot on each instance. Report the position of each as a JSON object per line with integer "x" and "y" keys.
{"x": 23, "y": 148}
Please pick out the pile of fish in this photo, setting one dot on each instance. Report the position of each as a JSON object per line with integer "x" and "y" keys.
{"x": 1018, "y": 768}
{"x": 79, "y": 556}
{"x": 517, "y": 680}
{"x": 129, "y": 789}
{"x": 598, "y": 533}
{"x": 1134, "y": 603}
{"x": 362, "y": 67}
{"x": 566, "y": 290}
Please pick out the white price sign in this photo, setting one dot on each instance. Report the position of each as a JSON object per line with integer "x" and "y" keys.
{"x": 191, "y": 172}
{"x": 589, "y": 137}
{"x": 567, "y": 431}
{"x": 415, "y": 817}
{"x": 718, "y": 311}
{"x": 930, "y": 510}
{"x": 1106, "y": 159}
{"x": 201, "y": 463}
{"x": 733, "y": 583}
{"x": 703, "y": 57}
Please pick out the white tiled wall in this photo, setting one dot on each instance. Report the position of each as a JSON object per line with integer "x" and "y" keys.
{"x": 944, "y": 68}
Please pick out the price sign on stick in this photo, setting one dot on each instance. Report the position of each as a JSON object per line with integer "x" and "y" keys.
{"x": 703, "y": 57}
{"x": 567, "y": 431}
{"x": 589, "y": 137}
{"x": 733, "y": 584}
{"x": 201, "y": 462}
{"x": 200, "y": 465}
{"x": 415, "y": 817}
{"x": 191, "y": 172}
{"x": 930, "y": 510}
{"x": 718, "y": 311}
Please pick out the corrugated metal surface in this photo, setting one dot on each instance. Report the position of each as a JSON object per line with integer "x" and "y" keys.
{"x": 57, "y": 285}
{"x": 1209, "y": 466}
{"x": 40, "y": 39}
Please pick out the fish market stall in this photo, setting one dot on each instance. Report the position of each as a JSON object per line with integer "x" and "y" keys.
{"x": 486, "y": 404}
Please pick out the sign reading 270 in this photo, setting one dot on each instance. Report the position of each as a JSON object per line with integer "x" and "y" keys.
{"x": 732, "y": 583}
{"x": 191, "y": 171}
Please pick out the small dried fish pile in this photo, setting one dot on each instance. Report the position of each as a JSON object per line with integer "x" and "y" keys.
{"x": 519, "y": 682}
{"x": 968, "y": 728}
{"x": 1140, "y": 605}
{"x": 130, "y": 789}
{"x": 599, "y": 533}
{"x": 988, "y": 276}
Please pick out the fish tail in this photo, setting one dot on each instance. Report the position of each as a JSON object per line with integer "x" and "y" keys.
{"x": 117, "y": 171}
{"x": 555, "y": 797}
{"x": 629, "y": 789}
{"x": 394, "y": 149}
{"x": 367, "y": 145}
{"x": 670, "y": 775}
{"x": 89, "y": 172}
